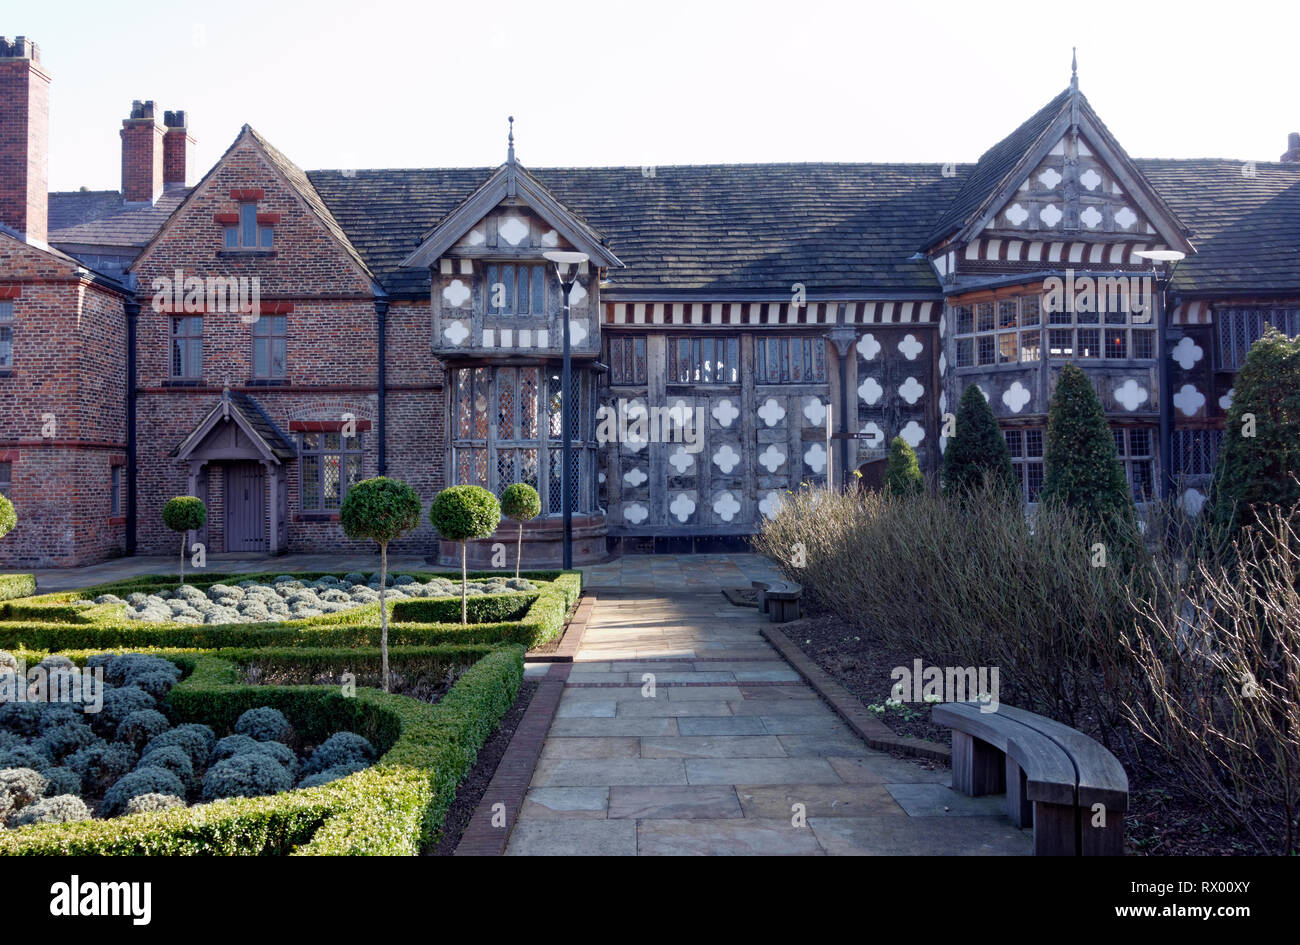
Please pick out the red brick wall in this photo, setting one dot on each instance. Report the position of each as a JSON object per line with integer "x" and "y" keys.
{"x": 332, "y": 345}
{"x": 69, "y": 367}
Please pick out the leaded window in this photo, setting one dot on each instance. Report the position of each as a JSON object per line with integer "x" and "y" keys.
{"x": 790, "y": 360}
{"x": 1238, "y": 329}
{"x": 507, "y": 427}
{"x": 703, "y": 360}
{"x": 328, "y": 465}
{"x": 1026, "y": 448}
{"x": 627, "y": 360}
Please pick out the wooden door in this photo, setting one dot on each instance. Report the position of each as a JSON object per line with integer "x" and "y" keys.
{"x": 245, "y": 507}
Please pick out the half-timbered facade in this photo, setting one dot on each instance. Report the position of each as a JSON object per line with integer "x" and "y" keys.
{"x": 268, "y": 336}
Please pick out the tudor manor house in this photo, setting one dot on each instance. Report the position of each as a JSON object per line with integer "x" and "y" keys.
{"x": 408, "y": 325}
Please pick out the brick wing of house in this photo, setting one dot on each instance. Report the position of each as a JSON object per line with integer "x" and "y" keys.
{"x": 269, "y": 336}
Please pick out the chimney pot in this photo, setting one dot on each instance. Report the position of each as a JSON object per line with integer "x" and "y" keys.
{"x": 1292, "y": 155}
{"x": 176, "y": 145}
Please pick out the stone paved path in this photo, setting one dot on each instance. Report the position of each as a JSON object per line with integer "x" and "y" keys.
{"x": 730, "y": 742}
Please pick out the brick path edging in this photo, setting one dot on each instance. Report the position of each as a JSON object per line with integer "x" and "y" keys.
{"x": 849, "y": 707}
{"x": 515, "y": 771}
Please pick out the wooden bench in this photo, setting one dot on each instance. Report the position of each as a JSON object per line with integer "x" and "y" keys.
{"x": 778, "y": 599}
{"x": 1052, "y": 775}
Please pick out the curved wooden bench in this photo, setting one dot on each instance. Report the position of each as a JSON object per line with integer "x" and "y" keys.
{"x": 1053, "y": 776}
{"x": 778, "y": 599}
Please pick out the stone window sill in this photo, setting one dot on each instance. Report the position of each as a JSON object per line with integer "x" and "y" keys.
{"x": 316, "y": 517}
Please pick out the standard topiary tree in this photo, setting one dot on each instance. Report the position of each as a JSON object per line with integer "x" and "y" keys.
{"x": 380, "y": 510}
{"x": 902, "y": 471}
{"x": 460, "y": 513}
{"x": 1260, "y": 457}
{"x": 183, "y": 514}
{"x": 977, "y": 454}
{"x": 521, "y": 503}
{"x": 1081, "y": 464}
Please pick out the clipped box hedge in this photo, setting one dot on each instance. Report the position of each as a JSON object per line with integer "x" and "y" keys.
{"x": 396, "y": 807}
{"x": 17, "y": 585}
{"x": 102, "y": 626}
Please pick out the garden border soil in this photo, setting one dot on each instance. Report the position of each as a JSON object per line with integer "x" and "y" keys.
{"x": 849, "y": 707}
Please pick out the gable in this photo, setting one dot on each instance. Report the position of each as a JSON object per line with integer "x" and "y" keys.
{"x": 1060, "y": 172}
{"x": 309, "y": 255}
{"x": 509, "y": 229}
{"x": 547, "y": 219}
{"x": 1047, "y": 202}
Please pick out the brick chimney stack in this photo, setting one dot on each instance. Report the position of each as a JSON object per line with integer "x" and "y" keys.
{"x": 142, "y": 155}
{"x": 176, "y": 144}
{"x": 1292, "y": 155}
{"x": 24, "y": 139}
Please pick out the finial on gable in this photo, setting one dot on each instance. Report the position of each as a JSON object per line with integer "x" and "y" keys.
{"x": 1074, "y": 68}
{"x": 510, "y": 159}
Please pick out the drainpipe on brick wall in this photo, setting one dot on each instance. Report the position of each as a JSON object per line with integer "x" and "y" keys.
{"x": 132, "y": 317}
{"x": 381, "y": 319}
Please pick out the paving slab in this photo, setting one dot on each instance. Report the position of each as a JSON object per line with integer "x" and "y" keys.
{"x": 940, "y": 800}
{"x": 886, "y": 835}
{"x": 533, "y": 837}
{"x": 604, "y": 746}
{"x": 565, "y": 803}
{"x": 818, "y": 800}
{"x": 674, "y": 803}
{"x": 744, "y": 837}
{"x": 713, "y": 746}
{"x": 604, "y": 772}
{"x": 760, "y": 771}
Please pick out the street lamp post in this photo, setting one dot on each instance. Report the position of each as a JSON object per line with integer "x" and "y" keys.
{"x": 1163, "y": 262}
{"x": 566, "y": 270}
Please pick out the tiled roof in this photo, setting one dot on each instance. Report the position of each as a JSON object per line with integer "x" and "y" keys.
{"x": 300, "y": 182}
{"x": 101, "y": 218}
{"x": 742, "y": 228}
{"x": 992, "y": 168}
{"x": 759, "y": 228}
{"x": 1246, "y": 229}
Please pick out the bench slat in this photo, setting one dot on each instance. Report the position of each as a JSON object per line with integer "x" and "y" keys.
{"x": 1102, "y": 779}
{"x": 1049, "y": 772}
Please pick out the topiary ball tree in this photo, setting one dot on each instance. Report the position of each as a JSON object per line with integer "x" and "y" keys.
{"x": 521, "y": 503}
{"x": 1260, "y": 457}
{"x": 8, "y": 517}
{"x": 460, "y": 513}
{"x": 902, "y": 470}
{"x": 380, "y": 510}
{"x": 185, "y": 513}
{"x": 1082, "y": 470}
{"x": 977, "y": 456}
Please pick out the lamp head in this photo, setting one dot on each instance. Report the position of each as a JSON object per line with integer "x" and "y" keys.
{"x": 565, "y": 262}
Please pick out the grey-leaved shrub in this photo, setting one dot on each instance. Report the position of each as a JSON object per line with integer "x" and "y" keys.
{"x": 251, "y": 774}
{"x": 149, "y": 780}
{"x": 60, "y": 809}
{"x": 341, "y": 748}
{"x": 148, "y": 803}
{"x": 265, "y": 724}
{"x": 138, "y": 728}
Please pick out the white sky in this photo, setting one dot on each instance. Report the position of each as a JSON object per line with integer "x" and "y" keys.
{"x": 346, "y": 84}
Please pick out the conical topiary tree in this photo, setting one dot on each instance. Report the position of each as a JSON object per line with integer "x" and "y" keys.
{"x": 380, "y": 510}
{"x": 184, "y": 513}
{"x": 1260, "y": 456}
{"x": 977, "y": 454}
{"x": 521, "y": 503}
{"x": 1081, "y": 464}
{"x": 902, "y": 470}
{"x": 460, "y": 513}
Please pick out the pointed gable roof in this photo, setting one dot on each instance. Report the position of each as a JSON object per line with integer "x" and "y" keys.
{"x": 1001, "y": 169}
{"x": 509, "y": 180}
{"x": 247, "y": 414}
{"x": 295, "y": 179}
